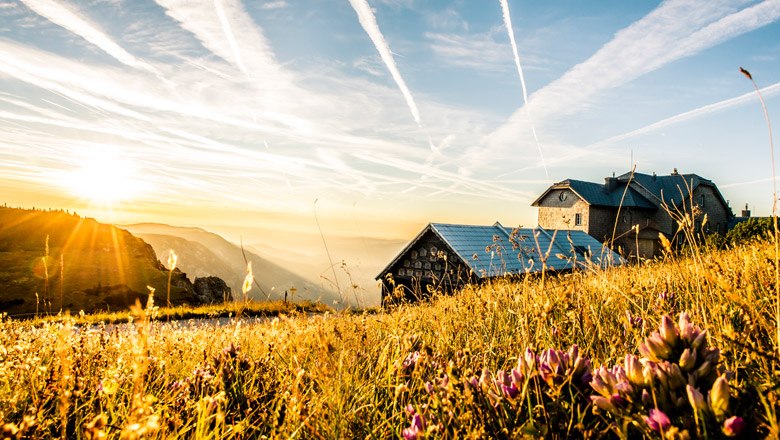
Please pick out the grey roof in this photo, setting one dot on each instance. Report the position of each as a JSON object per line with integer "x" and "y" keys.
{"x": 596, "y": 194}
{"x": 672, "y": 189}
{"x": 496, "y": 254}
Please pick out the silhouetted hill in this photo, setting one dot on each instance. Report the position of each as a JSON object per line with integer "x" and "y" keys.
{"x": 105, "y": 267}
{"x": 201, "y": 251}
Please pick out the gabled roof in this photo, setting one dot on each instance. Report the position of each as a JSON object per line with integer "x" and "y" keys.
{"x": 496, "y": 255}
{"x": 672, "y": 189}
{"x": 597, "y": 195}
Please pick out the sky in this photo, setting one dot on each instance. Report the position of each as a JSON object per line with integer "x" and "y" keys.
{"x": 257, "y": 119}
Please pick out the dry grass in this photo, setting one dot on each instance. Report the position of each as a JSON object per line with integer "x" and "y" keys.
{"x": 349, "y": 375}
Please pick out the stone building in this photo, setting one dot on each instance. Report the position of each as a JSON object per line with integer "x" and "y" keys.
{"x": 444, "y": 257}
{"x": 628, "y": 212}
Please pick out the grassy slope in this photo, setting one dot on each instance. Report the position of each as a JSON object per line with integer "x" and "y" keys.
{"x": 341, "y": 377}
{"x": 94, "y": 255}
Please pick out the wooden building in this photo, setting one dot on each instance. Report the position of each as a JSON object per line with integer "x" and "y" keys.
{"x": 444, "y": 257}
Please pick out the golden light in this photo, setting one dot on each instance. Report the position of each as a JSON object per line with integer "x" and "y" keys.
{"x": 104, "y": 178}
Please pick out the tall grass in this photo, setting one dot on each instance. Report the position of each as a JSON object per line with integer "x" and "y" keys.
{"x": 401, "y": 373}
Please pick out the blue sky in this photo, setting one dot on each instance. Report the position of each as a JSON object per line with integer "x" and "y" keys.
{"x": 237, "y": 116}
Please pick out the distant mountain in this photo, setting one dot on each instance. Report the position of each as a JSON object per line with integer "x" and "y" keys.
{"x": 202, "y": 252}
{"x": 76, "y": 263}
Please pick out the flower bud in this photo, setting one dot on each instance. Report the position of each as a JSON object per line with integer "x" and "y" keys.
{"x": 712, "y": 355}
{"x": 696, "y": 399}
{"x": 603, "y": 403}
{"x": 668, "y": 331}
{"x": 658, "y": 421}
{"x": 658, "y": 346}
{"x": 703, "y": 370}
{"x": 687, "y": 359}
{"x": 700, "y": 340}
{"x": 686, "y": 329}
{"x": 733, "y": 426}
{"x": 719, "y": 397}
{"x": 634, "y": 370}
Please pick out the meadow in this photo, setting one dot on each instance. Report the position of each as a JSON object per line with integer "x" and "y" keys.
{"x": 681, "y": 347}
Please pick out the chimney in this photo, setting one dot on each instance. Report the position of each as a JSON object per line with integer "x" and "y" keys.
{"x": 674, "y": 172}
{"x": 610, "y": 183}
{"x": 653, "y": 175}
{"x": 746, "y": 211}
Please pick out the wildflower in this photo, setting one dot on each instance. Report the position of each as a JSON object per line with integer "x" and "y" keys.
{"x": 695, "y": 398}
{"x": 733, "y": 426}
{"x": 633, "y": 370}
{"x": 668, "y": 331}
{"x": 657, "y": 420}
{"x": 417, "y": 427}
{"x": 172, "y": 259}
{"x": 719, "y": 397}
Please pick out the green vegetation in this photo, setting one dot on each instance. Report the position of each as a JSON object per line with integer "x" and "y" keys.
{"x": 76, "y": 263}
{"x": 489, "y": 362}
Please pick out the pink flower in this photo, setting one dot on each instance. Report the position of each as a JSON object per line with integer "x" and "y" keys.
{"x": 658, "y": 421}
{"x": 413, "y": 431}
{"x": 733, "y": 426}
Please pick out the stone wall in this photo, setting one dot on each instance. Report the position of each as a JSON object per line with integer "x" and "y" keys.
{"x": 559, "y": 212}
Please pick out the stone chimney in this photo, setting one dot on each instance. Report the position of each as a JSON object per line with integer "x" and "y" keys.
{"x": 674, "y": 172}
{"x": 746, "y": 211}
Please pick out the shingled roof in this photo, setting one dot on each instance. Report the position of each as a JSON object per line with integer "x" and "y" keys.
{"x": 671, "y": 189}
{"x": 566, "y": 248}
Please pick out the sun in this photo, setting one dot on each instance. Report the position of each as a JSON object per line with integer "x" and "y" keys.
{"x": 104, "y": 178}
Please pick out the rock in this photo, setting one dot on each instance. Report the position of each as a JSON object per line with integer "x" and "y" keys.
{"x": 211, "y": 290}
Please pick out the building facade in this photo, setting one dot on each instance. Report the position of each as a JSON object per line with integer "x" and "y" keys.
{"x": 629, "y": 212}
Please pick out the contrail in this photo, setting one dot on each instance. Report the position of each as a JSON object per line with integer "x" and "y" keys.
{"x": 368, "y": 21}
{"x": 508, "y": 24}
{"x": 229, "y": 36}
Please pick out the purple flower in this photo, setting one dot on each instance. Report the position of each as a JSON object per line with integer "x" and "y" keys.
{"x": 509, "y": 391}
{"x": 413, "y": 431}
{"x": 733, "y": 426}
{"x": 410, "y": 361}
{"x": 658, "y": 421}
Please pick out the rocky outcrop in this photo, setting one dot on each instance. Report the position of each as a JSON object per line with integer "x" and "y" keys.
{"x": 209, "y": 290}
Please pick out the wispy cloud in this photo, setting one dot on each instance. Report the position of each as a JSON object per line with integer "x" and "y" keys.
{"x": 472, "y": 51}
{"x": 76, "y": 23}
{"x": 368, "y": 21}
{"x": 676, "y": 29}
{"x": 277, "y": 4}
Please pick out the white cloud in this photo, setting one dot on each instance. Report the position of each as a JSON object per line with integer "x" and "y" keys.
{"x": 76, "y": 23}
{"x": 676, "y": 29}
{"x": 473, "y": 51}
{"x": 278, "y": 4}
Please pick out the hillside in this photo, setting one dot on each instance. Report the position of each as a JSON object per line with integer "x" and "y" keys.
{"x": 201, "y": 252}
{"x": 684, "y": 345}
{"x": 78, "y": 264}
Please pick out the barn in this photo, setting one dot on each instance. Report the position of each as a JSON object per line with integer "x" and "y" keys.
{"x": 447, "y": 256}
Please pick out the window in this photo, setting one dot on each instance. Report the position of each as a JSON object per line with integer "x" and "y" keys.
{"x": 701, "y": 201}
{"x": 578, "y": 219}
{"x": 562, "y": 196}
